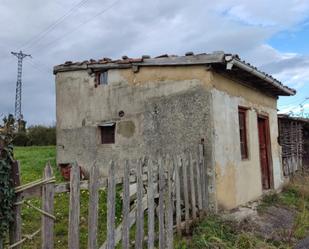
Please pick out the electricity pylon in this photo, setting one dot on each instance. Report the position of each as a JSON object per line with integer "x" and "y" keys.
{"x": 20, "y": 56}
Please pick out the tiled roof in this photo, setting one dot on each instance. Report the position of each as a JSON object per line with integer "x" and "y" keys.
{"x": 220, "y": 61}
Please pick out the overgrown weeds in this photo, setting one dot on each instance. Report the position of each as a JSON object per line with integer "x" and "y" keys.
{"x": 215, "y": 233}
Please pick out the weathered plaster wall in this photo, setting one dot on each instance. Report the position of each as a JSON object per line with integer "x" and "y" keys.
{"x": 239, "y": 181}
{"x": 166, "y": 110}
{"x": 170, "y": 109}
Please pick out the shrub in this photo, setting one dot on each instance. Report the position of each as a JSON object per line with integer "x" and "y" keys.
{"x": 36, "y": 135}
{"x": 21, "y": 139}
{"x": 42, "y": 135}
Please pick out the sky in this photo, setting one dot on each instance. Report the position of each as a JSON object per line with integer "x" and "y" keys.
{"x": 272, "y": 35}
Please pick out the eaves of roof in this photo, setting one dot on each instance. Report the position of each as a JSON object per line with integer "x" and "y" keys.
{"x": 228, "y": 64}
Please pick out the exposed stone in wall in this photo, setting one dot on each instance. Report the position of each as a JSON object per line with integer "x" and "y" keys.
{"x": 177, "y": 123}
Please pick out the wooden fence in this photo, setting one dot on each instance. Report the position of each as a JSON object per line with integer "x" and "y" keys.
{"x": 292, "y": 144}
{"x": 171, "y": 192}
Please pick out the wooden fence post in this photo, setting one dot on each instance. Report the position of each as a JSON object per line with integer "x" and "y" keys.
{"x": 15, "y": 226}
{"x": 192, "y": 186}
{"x": 126, "y": 207}
{"x": 204, "y": 179}
{"x": 177, "y": 161}
{"x": 139, "y": 208}
{"x": 150, "y": 199}
{"x": 186, "y": 194}
{"x": 48, "y": 191}
{"x": 199, "y": 186}
{"x": 111, "y": 198}
{"x": 93, "y": 207}
{"x": 74, "y": 214}
{"x": 169, "y": 208}
{"x": 161, "y": 205}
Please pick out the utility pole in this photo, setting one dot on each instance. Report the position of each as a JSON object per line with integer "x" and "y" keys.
{"x": 20, "y": 56}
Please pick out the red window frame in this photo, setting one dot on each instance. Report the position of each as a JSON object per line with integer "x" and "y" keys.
{"x": 242, "y": 117}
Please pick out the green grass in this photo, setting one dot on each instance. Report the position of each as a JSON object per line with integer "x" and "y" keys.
{"x": 213, "y": 232}
{"x": 32, "y": 161}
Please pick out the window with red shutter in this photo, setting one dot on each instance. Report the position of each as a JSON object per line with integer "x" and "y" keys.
{"x": 243, "y": 132}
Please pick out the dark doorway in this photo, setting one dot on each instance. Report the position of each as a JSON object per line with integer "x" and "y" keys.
{"x": 265, "y": 152}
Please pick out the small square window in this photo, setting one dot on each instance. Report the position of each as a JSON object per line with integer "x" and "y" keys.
{"x": 242, "y": 113}
{"x": 108, "y": 133}
{"x": 101, "y": 78}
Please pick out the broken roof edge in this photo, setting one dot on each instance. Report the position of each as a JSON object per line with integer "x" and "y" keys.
{"x": 165, "y": 60}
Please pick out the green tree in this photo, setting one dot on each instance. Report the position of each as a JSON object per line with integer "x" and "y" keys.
{"x": 41, "y": 135}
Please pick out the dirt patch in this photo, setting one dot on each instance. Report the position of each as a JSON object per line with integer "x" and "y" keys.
{"x": 303, "y": 244}
{"x": 273, "y": 223}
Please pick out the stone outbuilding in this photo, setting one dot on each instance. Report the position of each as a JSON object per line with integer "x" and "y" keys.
{"x": 128, "y": 108}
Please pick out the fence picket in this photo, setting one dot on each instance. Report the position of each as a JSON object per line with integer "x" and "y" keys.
{"x": 186, "y": 194}
{"x": 74, "y": 213}
{"x": 93, "y": 207}
{"x": 199, "y": 186}
{"x": 192, "y": 186}
{"x": 169, "y": 208}
{"x": 111, "y": 198}
{"x": 150, "y": 201}
{"x": 139, "y": 210}
{"x": 48, "y": 192}
{"x": 161, "y": 205}
{"x": 126, "y": 207}
{"x": 203, "y": 176}
{"x": 177, "y": 161}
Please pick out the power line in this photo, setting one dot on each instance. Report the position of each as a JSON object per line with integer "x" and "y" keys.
{"x": 294, "y": 100}
{"x": 45, "y": 31}
{"x": 80, "y": 25}
{"x": 42, "y": 65}
{"x": 39, "y": 68}
{"x": 298, "y": 102}
{"x": 300, "y": 105}
{"x": 307, "y": 98}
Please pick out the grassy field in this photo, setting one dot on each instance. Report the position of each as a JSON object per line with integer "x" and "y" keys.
{"x": 213, "y": 232}
{"x": 33, "y": 160}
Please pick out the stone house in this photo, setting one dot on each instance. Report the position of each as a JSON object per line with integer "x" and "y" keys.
{"x": 127, "y": 108}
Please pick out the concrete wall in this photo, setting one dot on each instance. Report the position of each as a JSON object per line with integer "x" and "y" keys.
{"x": 239, "y": 181}
{"x": 166, "y": 110}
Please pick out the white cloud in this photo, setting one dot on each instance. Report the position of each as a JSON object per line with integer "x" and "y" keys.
{"x": 140, "y": 27}
{"x": 290, "y": 68}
